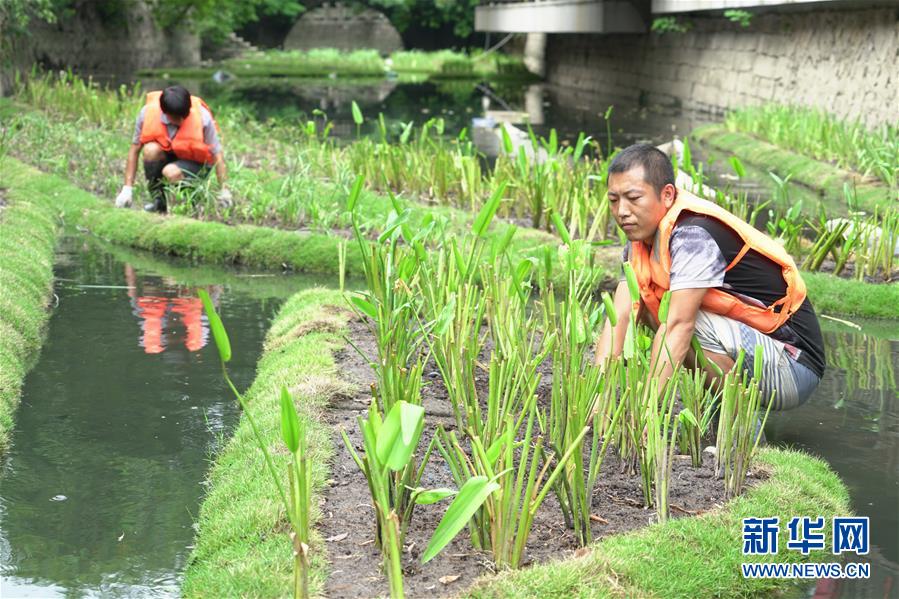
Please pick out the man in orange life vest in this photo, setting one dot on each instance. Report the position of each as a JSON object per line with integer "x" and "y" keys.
{"x": 179, "y": 139}
{"x": 731, "y": 286}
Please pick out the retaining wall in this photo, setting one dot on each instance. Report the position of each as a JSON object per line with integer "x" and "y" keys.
{"x": 840, "y": 60}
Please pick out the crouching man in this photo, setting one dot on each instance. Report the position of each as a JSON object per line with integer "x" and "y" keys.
{"x": 179, "y": 139}
{"x": 731, "y": 285}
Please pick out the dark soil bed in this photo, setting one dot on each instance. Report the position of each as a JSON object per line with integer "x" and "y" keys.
{"x": 348, "y": 520}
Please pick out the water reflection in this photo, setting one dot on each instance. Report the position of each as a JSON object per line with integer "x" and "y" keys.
{"x": 852, "y": 421}
{"x": 161, "y": 313}
{"x": 122, "y": 432}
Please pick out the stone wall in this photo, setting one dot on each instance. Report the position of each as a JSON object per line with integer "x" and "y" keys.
{"x": 345, "y": 28}
{"x": 844, "y": 61}
{"x": 110, "y": 46}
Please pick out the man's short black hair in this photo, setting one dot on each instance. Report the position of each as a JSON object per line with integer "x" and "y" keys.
{"x": 175, "y": 100}
{"x": 657, "y": 169}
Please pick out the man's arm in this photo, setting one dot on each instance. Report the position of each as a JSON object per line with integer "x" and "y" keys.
{"x": 220, "y": 172}
{"x": 677, "y": 332}
{"x": 131, "y": 166}
{"x": 604, "y": 345}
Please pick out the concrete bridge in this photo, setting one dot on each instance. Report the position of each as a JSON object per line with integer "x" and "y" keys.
{"x": 623, "y": 16}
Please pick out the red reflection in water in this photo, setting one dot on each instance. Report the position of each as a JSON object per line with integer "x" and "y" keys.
{"x": 155, "y": 311}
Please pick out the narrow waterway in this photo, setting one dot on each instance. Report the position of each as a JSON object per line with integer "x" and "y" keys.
{"x": 118, "y": 421}
{"x": 852, "y": 421}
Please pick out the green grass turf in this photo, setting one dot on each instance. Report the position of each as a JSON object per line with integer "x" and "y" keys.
{"x": 820, "y": 176}
{"x": 28, "y": 230}
{"x": 689, "y": 557}
{"x": 242, "y": 547}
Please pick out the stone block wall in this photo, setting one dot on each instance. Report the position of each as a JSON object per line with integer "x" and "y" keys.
{"x": 345, "y": 28}
{"x": 111, "y": 47}
{"x": 844, "y": 61}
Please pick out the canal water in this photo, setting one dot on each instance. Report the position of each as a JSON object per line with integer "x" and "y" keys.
{"x": 852, "y": 421}
{"x": 101, "y": 487}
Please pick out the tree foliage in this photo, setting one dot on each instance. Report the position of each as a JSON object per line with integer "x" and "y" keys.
{"x": 432, "y": 14}
{"x": 16, "y": 14}
{"x": 216, "y": 18}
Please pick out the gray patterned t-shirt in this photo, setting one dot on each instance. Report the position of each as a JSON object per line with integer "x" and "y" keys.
{"x": 696, "y": 260}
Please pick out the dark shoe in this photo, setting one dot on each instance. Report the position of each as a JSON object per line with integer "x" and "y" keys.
{"x": 156, "y": 206}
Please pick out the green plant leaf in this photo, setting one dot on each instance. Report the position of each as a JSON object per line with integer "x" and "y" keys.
{"x": 609, "y": 305}
{"x": 738, "y": 167}
{"x": 663, "y": 307}
{"x": 365, "y": 306}
{"x": 290, "y": 423}
{"x": 445, "y": 319}
{"x": 407, "y": 131}
{"x": 471, "y": 496}
{"x": 488, "y": 211}
{"x": 429, "y": 496}
{"x": 687, "y": 417}
{"x": 357, "y": 113}
{"x": 355, "y": 192}
{"x": 561, "y": 229}
{"x": 508, "y": 148}
{"x": 632, "y": 286}
{"x": 399, "y": 435}
{"x": 219, "y": 334}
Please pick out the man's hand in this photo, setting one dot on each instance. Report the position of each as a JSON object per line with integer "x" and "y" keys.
{"x": 123, "y": 200}
{"x": 224, "y": 199}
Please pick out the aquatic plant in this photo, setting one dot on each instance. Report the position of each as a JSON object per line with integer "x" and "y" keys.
{"x": 389, "y": 443}
{"x": 297, "y": 502}
{"x": 817, "y": 133}
{"x": 740, "y": 423}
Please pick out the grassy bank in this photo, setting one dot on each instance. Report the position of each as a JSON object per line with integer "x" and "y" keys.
{"x": 297, "y": 177}
{"x": 823, "y": 177}
{"x": 250, "y": 245}
{"x": 689, "y": 557}
{"x": 241, "y": 531}
{"x": 309, "y": 252}
{"x": 28, "y": 229}
{"x": 242, "y": 547}
{"x": 817, "y": 133}
{"x": 322, "y": 62}
{"x": 833, "y": 295}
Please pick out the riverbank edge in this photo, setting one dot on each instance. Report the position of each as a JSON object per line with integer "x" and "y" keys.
{"x": 28, "y": 234}
{"x": 252, "y": 245}
{"x": 698, "y": 556}
{"x": 822, "y": 177}
{"x": 239, "y": 515}
{"x": 308, "y": 252}
{"x": 242, "y": 548}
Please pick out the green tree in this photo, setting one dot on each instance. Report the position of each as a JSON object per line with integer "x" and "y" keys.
{"x": 214, "y": 19}
{"x": 432, "y": 14}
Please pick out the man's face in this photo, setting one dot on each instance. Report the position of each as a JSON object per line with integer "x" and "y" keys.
{"x": 637, "y": 207}
{"x": 175, "y": 119}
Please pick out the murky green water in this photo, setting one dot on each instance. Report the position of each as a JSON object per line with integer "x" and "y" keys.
{"x": 102, "y": 485}
{"x": 852, "y": 421}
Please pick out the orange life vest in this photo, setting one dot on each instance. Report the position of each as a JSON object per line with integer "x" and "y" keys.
{"x": 652, "y": 265}
{"x": 188, "y": 144}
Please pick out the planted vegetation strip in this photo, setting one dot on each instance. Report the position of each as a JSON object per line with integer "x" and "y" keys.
{"x": 823, "y": 136}
{"x": 322, "y": 62}
{"x": 241, "y": 548}
{"x": 28, "y": 232}
{"x": 832, "y": 295}
{"x": 820, "y": 176}
{"x": 686, "y": 557}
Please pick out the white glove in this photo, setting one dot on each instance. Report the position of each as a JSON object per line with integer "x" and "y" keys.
{"x": 123, "y": 200}
{"x": 225, "y": 199}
